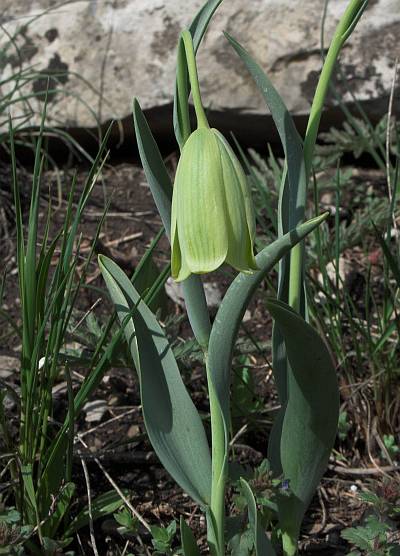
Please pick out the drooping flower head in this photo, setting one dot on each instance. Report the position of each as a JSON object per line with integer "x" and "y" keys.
{"x": 212, "y": 213}
{"x": 212, "y": 218}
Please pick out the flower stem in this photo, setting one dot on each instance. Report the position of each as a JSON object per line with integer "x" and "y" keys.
{"x": 194, "y": 79}
{"x": 343, "y": 31}
{"x": 218, "y": 482}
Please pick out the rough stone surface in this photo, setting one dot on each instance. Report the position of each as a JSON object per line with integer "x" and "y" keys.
{"x": 102, "y": 53}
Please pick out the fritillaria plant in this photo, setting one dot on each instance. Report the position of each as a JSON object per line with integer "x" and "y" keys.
{"x": 208, "y": 216}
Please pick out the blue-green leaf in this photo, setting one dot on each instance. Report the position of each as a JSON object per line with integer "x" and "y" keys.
{"x": 290, "y": 138}
{"x": 234, "y": 305}
{"x": 262, "y": 543}
{"x": 311, "y": 416}
{"x": 201, "y": 20}
{"x": 292, "y": 197}
{"x": 173, "y": 424}
{"x": 153, "y": 166}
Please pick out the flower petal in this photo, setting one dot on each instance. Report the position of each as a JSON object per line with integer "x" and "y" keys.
{"x": 239, "y": 209}
{"x": 200, "y": 204}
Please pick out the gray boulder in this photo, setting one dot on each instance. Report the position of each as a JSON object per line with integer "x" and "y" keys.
{"x": 101, "y": 54}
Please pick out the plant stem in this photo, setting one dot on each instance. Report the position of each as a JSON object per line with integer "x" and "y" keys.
{"x": 218, "y": 483}
{"x": 342, "y": 33}
{"x": 194, "y": 79}
{"x": 343, "y": 30}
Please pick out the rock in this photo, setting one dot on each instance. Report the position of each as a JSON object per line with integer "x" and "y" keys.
{"x": 104, "y": 53}
{"x": 211, "y": 289}
{"x": 8, "y": 366}
{"x": 213, "y": 295}
{"x": 95, "y": 410}
{"x": 174, "y": 291}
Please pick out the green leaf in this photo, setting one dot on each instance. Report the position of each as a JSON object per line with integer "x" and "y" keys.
{"x": 234, "y": 305}
{"x": 161, "y": 188}
{"x": 290, "y": 138}
{"x": 103, "y": 505}
{"x": 242, "y": 543}
{"x": 292, "y": 197}
{"x": 171, "y": 419}
{"x": 29, "y": 492}
{"x": 201, "y": 20}
{"x": 356, "y": 536}
{"x": 163, "y": 537}
{"x": 262, "y": 543}
{"x": 128, "y": 522}
{"x": 153, "y": 166}
{"x": 189, "y": 545}
{"x": 311, "y": 415}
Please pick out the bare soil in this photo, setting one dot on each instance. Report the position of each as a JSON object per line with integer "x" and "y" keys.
{"x": 119, "y": 440}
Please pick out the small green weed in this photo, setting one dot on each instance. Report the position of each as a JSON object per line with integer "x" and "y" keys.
{"x": 378, "y": 535}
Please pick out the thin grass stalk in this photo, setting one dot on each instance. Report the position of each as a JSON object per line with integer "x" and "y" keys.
{"x": 100, "y": 362}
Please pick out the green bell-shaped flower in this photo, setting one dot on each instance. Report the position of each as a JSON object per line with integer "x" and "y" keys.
{"x": 212, "y": 219}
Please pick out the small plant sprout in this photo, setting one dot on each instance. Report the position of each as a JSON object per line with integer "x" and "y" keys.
{"x": 208, "y": 217}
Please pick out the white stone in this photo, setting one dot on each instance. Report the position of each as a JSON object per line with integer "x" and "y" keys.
{"x": 95, "y": 410}
{"x": 126, "y": 48}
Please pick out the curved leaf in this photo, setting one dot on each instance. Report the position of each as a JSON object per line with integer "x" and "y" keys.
{"x": 173, "y": 424}
{"x": 290, "y": 138}
{"x": 234, "y": 305}
{"x": 311, "y": 416}
{"x": 292, "y": 196}
{"x": 153, "y": 166}
{"x": 262, "y": 543}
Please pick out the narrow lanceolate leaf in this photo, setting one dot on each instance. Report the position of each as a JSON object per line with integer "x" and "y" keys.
{"x": 172, "y": 421}
{"x": 234, "y": 305}
{"x": 262, "y": 544}
{"x": 153, "y": 166}
{"x": 189, "y": 545}
{"x": 201, "y": 20}
{"x": 310, "y": 420}
{"x": 161, "y": 189}
{"x": 182, "y": 88}
{"x": 290, "y": 138}
{"x": 292, "y": 197}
